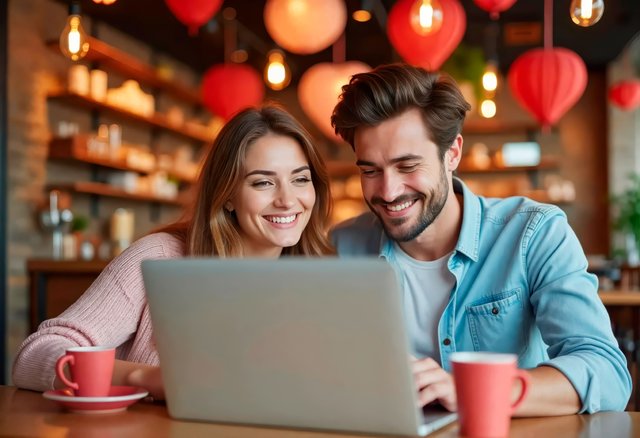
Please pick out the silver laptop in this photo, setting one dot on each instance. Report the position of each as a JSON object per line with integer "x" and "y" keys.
{"x": 297, "y": 342}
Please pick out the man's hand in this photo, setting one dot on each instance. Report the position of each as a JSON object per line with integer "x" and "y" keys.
{"x": 434, "y": 383}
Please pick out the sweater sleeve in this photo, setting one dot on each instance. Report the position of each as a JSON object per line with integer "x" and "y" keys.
{"x": 107, "y": 314}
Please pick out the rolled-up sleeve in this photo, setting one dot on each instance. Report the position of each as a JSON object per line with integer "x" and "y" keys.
{"x": 571, "y": 317}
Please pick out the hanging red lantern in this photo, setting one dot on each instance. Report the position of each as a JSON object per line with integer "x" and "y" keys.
{"x": 230, "y": 88}
{"x": 494, "y": 7}
{"x": 626, "y": 94}
{"x": 427, "y": 51}
{"x": 194, "y": 13}
{"x": 548, "y": 82}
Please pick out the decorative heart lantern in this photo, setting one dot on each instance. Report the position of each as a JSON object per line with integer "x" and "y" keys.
{"x": 319, "y": 90}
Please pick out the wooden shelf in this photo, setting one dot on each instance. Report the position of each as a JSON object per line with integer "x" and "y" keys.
{"x": 74, "y": 149}
{"x": 545, "y": 164}
{"x": 101, "y": 189}
{"x": 156, "y": 120}
{"x": 111, "y": 58}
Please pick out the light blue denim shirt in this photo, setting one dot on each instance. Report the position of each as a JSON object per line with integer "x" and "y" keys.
{"x": 521, "y": 287}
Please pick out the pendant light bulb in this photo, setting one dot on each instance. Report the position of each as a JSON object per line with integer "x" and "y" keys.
{"x": 490, "y": 77}
{"x": 586, "y": 13}
{"x": 73, "y": 39}
{"x": 426, "y": 16}
{"x": 276, "y": 73}
{"x": 488, "y": 108}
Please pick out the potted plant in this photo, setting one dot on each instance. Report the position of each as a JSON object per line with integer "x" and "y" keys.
{"x": 627, "y": 218}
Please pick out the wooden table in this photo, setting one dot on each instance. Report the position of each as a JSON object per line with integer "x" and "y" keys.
{"x": 26, "y": 413}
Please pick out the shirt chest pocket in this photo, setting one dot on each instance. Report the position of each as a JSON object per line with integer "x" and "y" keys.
{"x": 498, "y": 324}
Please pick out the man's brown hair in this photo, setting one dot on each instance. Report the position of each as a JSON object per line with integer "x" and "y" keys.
{"x": 388, "y": 90}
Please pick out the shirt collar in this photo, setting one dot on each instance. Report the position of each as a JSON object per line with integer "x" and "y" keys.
{"x": 469, "y": 239}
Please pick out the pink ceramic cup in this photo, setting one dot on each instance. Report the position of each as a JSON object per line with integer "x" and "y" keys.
{"x": 91, "y": 370}
{"x": 484, "y": 384}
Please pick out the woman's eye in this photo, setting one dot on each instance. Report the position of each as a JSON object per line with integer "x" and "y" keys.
{"x": 260, "y": 184}
{"x": 302, "y": 180}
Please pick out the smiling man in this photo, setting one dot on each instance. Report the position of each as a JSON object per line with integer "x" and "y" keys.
{"x": 478, "y": 274}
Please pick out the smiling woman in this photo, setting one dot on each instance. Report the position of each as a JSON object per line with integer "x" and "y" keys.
{"x": 263, "y": 192}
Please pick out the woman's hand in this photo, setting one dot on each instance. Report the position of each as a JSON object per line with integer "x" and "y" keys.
{"x": 149, "y": 378}
{"x": 137, "y": 374}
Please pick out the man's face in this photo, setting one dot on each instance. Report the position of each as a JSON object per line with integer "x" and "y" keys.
{"x": 404, "y": 182}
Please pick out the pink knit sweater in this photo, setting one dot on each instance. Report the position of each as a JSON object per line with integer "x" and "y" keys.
{"x": 113, "y": 311}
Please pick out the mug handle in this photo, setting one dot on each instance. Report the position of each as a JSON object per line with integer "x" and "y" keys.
{"x": 60, "y": 370}
{"x": 523, "y": 376}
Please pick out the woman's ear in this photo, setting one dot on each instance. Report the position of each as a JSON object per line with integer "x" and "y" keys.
{"x": 228, "y": 206}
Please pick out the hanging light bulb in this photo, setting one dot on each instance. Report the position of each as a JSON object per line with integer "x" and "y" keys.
{"x": 586, "y": 13}
{"x": 490, "y": 77}
{"x": 488, "y": 108}
{"x": 277, "y": 74}
{"x": 426, "y": 16}
{"x": 104, "y": 2}
{"x": 73, "y": 40}
{"x": 361, "y": 15}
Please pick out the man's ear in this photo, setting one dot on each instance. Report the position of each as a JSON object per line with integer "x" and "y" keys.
{"x": 454, "y": 154}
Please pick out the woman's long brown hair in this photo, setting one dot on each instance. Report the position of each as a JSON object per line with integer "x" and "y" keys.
{"x": 207, "y": 228}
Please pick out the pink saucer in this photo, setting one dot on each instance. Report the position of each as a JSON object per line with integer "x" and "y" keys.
{"x": 118, "y": 399}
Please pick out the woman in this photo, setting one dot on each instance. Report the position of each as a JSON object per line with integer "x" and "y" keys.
{"x": 263, "y": 192}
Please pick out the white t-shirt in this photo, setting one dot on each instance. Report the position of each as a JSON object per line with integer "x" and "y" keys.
{"x": 426, "y": 289}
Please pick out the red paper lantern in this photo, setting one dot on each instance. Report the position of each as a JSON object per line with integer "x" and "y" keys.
{"x": 230, "y": 88}
{"x": 626, "y": 94}
{"x": 194, "y": 13}
{"x": 427, "y": 51}
{"x": 548, "y": 82}
{"x": 494, "y": 7}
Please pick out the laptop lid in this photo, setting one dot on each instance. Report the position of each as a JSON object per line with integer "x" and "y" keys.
{"x": 297, "y": 342}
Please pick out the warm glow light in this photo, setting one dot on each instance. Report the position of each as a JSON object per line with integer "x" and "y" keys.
{"x": 73, "y": 40}
{"x": 586, "y": 13}
{"x": 277, "y": 75}
{"x": 490, "y": 78}
{"x": 426, "y": 16}
{"x": 104, "y": 2}
{"x": 362, "y": 15}
{"x": 488, "y": 108}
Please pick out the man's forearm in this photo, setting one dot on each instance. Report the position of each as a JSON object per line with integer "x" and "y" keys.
{"x": 550, "y": 393}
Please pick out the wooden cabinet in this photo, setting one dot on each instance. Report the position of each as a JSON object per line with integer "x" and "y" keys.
{"x": 55, "y": 284}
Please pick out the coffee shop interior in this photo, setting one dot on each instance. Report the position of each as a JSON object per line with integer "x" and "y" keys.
{"x": 100, "y": 144}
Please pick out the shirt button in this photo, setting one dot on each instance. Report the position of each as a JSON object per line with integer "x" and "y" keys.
{"x": 447, "y": 341}
{"x": 495, "y": 310}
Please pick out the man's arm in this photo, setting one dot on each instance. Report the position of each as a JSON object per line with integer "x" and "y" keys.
{"x": 550, "y": 392}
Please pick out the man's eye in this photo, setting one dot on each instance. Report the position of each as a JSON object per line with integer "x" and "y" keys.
{"x": 410, "y": 168}
{"x": 367, "y": 172}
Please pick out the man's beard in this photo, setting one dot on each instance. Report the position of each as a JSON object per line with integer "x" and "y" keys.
{"x": 433, "y": 205}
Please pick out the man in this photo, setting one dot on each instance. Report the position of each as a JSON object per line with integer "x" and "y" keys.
{"x": 501, "y": 275}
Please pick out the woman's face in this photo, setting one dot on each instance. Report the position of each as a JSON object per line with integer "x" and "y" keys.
{"x": 274, "y": 201}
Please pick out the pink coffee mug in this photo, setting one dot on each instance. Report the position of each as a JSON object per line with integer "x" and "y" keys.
{"x": 91, "y": 370}
{"x": 484, "y": 383}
